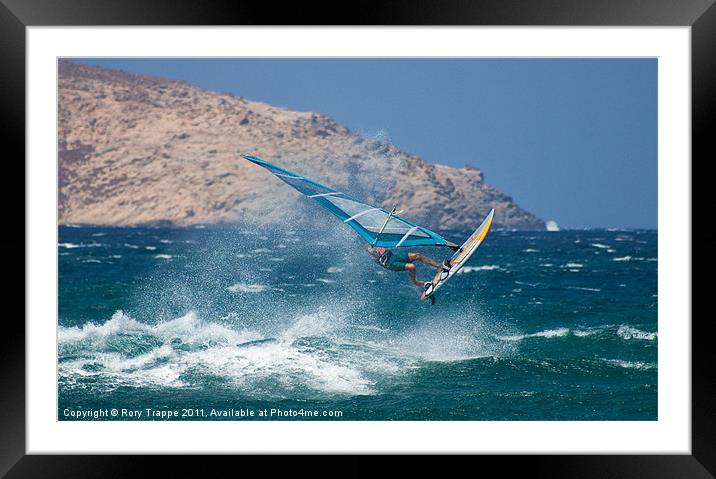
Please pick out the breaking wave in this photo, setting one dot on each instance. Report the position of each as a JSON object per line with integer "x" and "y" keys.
{"x": 624, "y": 332}
{"x": 315, "y": 354}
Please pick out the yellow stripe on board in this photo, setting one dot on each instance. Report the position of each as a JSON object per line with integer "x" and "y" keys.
{"x": 484, "y": 233}
{"x": 479, "y": 238}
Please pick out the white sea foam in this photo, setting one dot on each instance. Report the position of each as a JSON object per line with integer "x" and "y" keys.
{"x": 628, "y": 258}
{"x": 573, "y": 265}
{"x": 625, "y": 332}
{"x": 80, "y": 245}
{"x": 629, "y": 332}
{"x": 630, "y": 364}
{"x": 371, "y": 328}
{"x": 530, "y": 250}
{"x": 162, "y": 366}
{"x": 600, "y": 245}
{"x": 163, "y": 256}
{"x": 583, "y": 333}
{"x": 150, "y": 248}
{"x": 115, "y": 370}
{"x": 472, "y": 269}
{"x": 549, "y": 333}
{"x": 327, "y": 281}
{"x": 294, "y": 366}
{"x": 581, "y": 288}
{"x": 334, "y": 269}
{"x": 129, "y": 245}
{"x": 291, "y": 367}
{"x": 247, "y": 288}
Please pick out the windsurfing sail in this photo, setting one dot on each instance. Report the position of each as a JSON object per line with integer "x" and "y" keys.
{"x": 375, "y": 225}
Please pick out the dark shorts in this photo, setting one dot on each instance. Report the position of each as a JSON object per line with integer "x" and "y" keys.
{"x": 397, "y": 260}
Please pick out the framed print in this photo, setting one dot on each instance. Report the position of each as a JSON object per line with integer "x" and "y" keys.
{"x": 431, "y": 232}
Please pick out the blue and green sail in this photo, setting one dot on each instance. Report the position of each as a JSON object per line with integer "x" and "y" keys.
{"x": 375, "y": 225}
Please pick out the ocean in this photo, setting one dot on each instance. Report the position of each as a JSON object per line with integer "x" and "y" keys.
{"x": 259, "y": 323}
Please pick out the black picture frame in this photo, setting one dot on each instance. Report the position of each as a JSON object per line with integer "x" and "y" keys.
{"x": 700, "y": 15}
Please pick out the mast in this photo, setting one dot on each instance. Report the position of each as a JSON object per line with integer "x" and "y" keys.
{"x": 393, "y": 212}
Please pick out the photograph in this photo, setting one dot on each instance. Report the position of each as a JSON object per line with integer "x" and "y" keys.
{"x": 357, "y": 239}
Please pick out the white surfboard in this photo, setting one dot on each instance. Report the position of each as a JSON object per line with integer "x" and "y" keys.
{"x": 460, "y": 257}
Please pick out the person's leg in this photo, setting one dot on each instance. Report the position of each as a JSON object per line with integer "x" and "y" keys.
{"x": 425, "y": 260}
{"x": 410, "y": 268}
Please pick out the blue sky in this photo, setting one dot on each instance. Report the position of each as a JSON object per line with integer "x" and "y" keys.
{"x": 574, "y": 140}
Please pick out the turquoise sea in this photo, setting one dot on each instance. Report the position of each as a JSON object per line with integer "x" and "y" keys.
{"x": 233, "y": 323}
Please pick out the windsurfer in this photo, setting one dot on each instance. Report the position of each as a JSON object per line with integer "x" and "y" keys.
{"x": 398, "y": 260}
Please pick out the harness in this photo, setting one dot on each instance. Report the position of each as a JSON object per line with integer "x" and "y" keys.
{"x": 384, "y": 258}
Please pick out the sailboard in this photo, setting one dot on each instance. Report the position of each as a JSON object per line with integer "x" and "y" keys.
{"x": 375, "y": 225}
{"x": 460, "y": 257}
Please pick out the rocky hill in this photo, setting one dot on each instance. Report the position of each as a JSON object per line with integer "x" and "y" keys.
{"x": 135, "y": 149}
